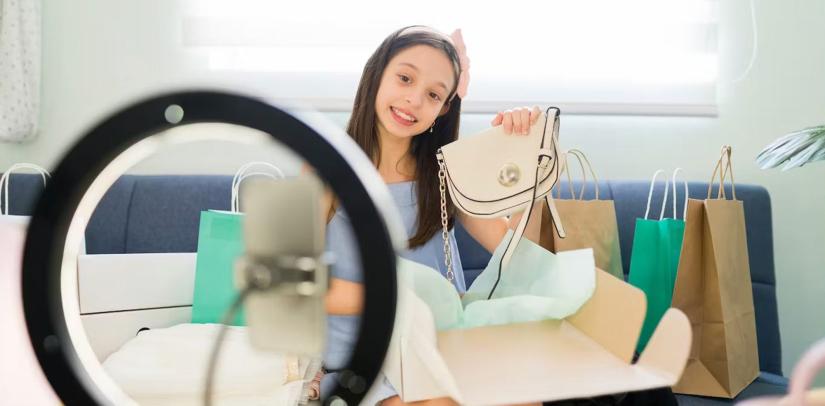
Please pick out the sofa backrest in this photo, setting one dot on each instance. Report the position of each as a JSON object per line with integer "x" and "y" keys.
{"x": 143, "y": 213}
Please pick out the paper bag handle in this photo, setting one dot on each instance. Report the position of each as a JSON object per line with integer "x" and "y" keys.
{"x": 243, "y": 173}
{"x": 650, "y": 195}
{"x": 6, "y": 179}
{"x": 582, "y": 157}
{"x": 673, "y": 181}
{"x": 564, "y": 169}
{"x": 583, "y": 163}
{"x": 723, "y": 166}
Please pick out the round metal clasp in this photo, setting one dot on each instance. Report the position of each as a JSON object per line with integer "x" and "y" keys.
{"x": 509, "y": 174}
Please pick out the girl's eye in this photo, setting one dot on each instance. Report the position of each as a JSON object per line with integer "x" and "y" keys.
{"x": 404, "y": 78}
{"x": 435, "y": 96}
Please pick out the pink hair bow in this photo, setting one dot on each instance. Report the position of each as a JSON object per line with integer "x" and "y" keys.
{"x": 464, "y": 64}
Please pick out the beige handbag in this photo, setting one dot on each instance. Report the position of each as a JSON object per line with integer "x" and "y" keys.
{"x": 493, "y": 174}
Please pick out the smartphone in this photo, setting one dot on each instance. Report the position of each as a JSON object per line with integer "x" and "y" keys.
{"x": 283, "y": 231}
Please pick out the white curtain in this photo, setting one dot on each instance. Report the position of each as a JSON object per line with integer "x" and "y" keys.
{"x": 19, "y": 69}
{"x": 585, "y": 56}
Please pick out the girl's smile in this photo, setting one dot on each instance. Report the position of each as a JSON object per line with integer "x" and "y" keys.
{"x": 403, "y": 117}
{"x": 414, "y": 88}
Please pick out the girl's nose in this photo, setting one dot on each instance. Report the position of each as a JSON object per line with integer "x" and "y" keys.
{"x": 413, "y": 98}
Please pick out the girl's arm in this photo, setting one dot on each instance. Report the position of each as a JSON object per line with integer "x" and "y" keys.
{"x": 488, "y": 232}
{"x": 343, "y": 297}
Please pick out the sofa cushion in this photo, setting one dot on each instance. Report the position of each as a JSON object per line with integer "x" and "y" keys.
{"x": 106, "y": 231}
{"x": 164, "y": 213}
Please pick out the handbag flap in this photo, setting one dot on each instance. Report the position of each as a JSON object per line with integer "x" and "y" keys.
{"x": 474, "y": 163}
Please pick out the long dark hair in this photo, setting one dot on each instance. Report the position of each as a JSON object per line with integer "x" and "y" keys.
{"x": 363, "y": 128}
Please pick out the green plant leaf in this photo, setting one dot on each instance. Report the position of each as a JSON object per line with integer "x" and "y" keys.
{"x": 795, "y": 149}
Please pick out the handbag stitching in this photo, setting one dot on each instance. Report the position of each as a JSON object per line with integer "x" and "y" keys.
{"x": 549, "y": 174}
{"x": 465, "y": 209}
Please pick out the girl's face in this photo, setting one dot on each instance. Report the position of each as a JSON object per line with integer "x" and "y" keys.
{"x": 413, "y": 91}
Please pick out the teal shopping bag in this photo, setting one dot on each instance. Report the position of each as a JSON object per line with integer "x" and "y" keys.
{"x": 220, "y": 243}
{"x": 654, "y": 260}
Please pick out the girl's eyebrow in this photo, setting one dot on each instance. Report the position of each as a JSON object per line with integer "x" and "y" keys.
{"x": 413, "y": 67}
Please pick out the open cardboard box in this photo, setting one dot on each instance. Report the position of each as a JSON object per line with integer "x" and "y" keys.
{"x": 587, "y": 354}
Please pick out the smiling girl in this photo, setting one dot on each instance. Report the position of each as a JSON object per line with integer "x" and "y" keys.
{"x": 407, "y": 106}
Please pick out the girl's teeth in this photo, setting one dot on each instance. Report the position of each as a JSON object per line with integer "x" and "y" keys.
{"x": 402, "y": 115}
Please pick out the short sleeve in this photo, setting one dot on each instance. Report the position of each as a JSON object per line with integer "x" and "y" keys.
{"x": 340, "y": 242}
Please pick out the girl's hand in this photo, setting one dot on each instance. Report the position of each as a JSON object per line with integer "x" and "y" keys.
{"x": 518, "y": 120}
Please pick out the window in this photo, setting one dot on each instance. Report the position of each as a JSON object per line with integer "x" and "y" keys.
{"x": 587, "y": 56}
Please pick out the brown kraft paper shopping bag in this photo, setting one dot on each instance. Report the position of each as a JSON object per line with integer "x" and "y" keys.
{"x": 589, "y": 223}
{"x": 713, "y": 288}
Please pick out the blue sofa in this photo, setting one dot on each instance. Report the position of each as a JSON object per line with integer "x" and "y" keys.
{"x": 142, "y": 214}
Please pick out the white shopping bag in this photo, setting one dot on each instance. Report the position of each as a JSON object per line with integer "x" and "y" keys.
{"x": 5, "y": 210}
{"x": 5, "y": 180}
{"x": 22, "y": 382}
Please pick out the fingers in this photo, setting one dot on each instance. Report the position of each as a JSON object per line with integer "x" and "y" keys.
{"x": 534, "y": 116}
{"x": 508, "y": 122}
{"x": 517, "y": 127}
{"x": 497, "y": 119}
{"x": 525, "y": 120}
{"x": 518, "y": 120}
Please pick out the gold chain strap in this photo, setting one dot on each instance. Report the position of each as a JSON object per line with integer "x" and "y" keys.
{"x": 445, "y": 234}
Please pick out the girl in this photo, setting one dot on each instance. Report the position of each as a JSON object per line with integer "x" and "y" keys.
{"x": 406, "y": 107}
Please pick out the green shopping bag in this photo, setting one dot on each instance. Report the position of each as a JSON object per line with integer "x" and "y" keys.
{"x": 654, "y": 261}
{"x": 220, "y": 243}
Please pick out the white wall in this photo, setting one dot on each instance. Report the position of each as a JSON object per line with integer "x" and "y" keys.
{"x": 100, "y": 54}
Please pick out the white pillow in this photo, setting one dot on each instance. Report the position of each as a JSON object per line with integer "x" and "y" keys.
{"x": 167, "y": 366}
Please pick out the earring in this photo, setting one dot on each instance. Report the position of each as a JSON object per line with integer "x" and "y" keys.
{"x": 433, "y": 126}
